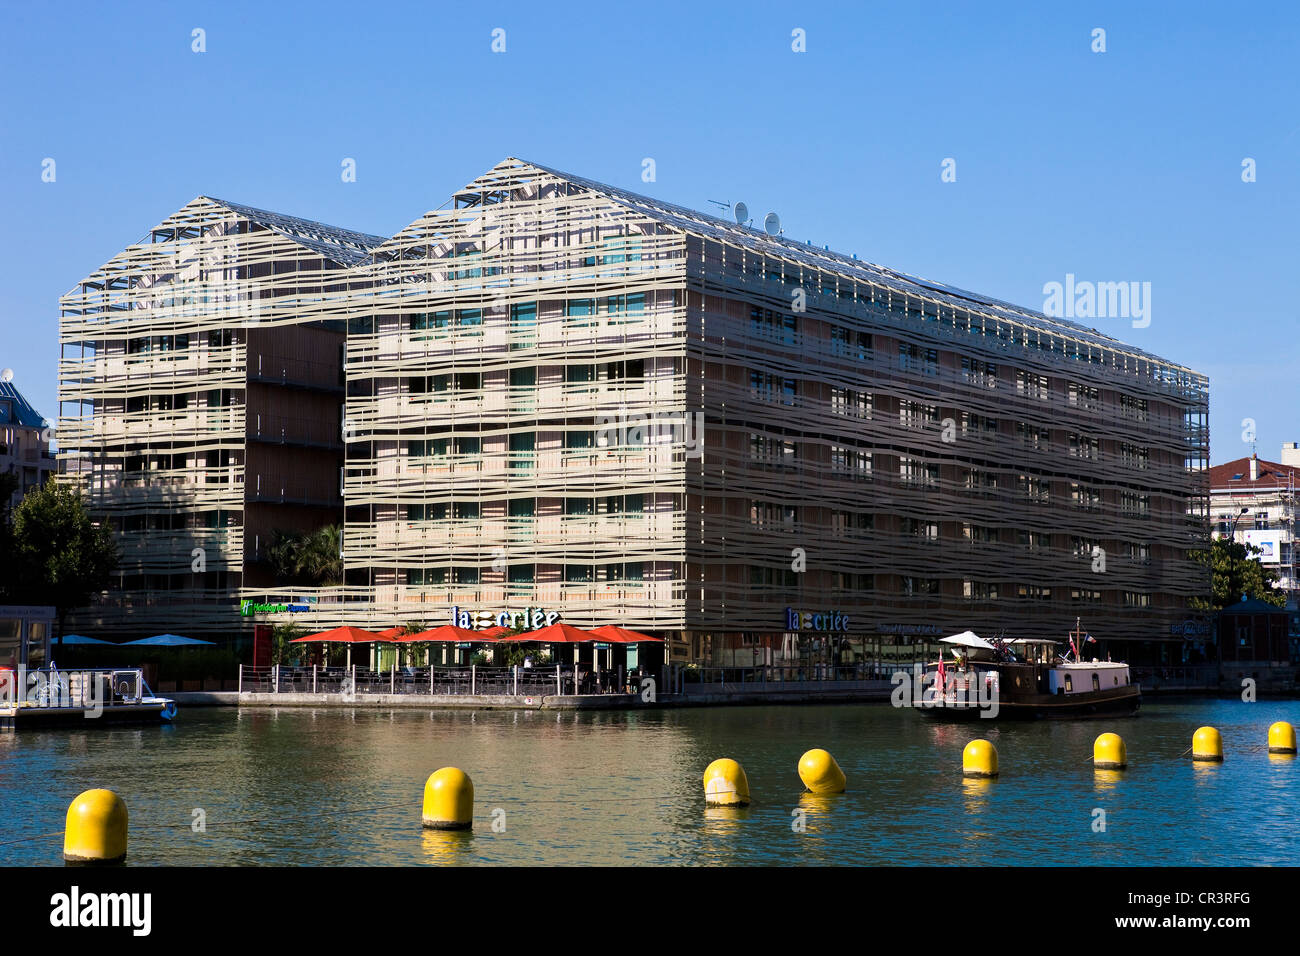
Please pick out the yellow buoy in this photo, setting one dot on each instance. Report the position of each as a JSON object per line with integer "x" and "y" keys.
{"x": 95, "y": 831}
{"x": 1281, "y": 738}
{"x": 1109, "y": 752}
{"x": 1207, "y": 744}
{"x": 820, "y": 773}
{"x": 979, "y": 759}
{"x": 449, "y": 800}
{"x": 725, "y": 784}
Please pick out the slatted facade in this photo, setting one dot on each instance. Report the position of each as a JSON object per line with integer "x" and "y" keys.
{"x": 564, "y": 395}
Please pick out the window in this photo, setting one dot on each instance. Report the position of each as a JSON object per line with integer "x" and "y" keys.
{"x": 1034, "y": 592}
{"x": 1136, "y": 599}
{"x": 579, "y": 506}
{"x": 467, "y": 510}
{"x": 765, "y": 514}
{"x": 578, "y": 439}
{"x": 523, "y": 507}
{"x": 916, "y": 414}
{"x": 848, "y": 401}
{"x": 913, "y": 471}
{"x": 522, "y": 447}
{"x": 1085, "y": 595}
{"x": 1134, "y": 408}
{"x": 979, "y": 534}
{"x": 773, "y": 325}
{"x": 579, "y": 374}
{"x": 581, "y": 309}
{"x": 424, "y": 577}
{"x": 1033, "y": 436}
{"x": 851, "y": 344}
{"x": 1134, "y": 456}
{"x": 1081, "y": 446}
{"x": 523, "y": 378}
{"x": 977, "y": 372}
{"x": 1033, "y": 487}
{"x": 1132, "y": 503}
{"x": 846, "y": 521}
{"x": 629, "y": 370}
{"x": 851, "y": 461}
{"x": 630, "y": 573}
{"x": 579, "y": 573}
{"x": 523, "y": 323}
{"x": 916, "y": 528}
{"x": 915, "y": 358}
{"x": 979, "y": 590}
{"x": 1033, "y": 540}
{"x": 1084, "y": 497}
{"x": 1083, "y": 396}
{"x": 974, "y": 425}
{"x": 1031, "y": 384}
{"x": 919, "y": 587}
{"x": 772, "y": 452}
{"x": 621, "y": 308}
{"x": 624, "y": 504}
{"x": 981, "y": 482}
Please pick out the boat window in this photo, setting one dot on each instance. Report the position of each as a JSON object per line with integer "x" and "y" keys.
{"x": 1096, "y": 681}
{"x": 1069, "y": 688}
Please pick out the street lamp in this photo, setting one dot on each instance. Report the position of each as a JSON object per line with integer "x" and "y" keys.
{"x": 1232, "y": 532}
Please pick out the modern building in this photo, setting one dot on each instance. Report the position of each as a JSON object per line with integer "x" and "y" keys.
{"x": 565, "y": 396}
{"x": 24, "y": 442}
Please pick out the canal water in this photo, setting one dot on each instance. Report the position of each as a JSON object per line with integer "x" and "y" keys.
{"x": 298, "y": 786}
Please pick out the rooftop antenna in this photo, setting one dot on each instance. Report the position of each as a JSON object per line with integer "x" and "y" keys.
{"x": 740, "y": 212}
{"x": 772, "y": 224}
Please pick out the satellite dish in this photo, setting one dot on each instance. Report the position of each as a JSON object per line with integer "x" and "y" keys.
{"x": 7, "y": 375}
{"x": 772, "y": 224}
{"x": 742, "y": 213}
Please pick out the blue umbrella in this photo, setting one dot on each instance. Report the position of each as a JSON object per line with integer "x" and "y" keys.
{"x": 168, "y": 640}
{"x": 81, "y": 639}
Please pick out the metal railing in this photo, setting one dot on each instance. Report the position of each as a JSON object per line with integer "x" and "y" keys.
{"x": 472, "y": 680}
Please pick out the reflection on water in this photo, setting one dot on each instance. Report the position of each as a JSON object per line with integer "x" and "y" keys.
{"x": 322, "y": 786}
{"x": 447, "y": 847}
{"x": 1106, "y": 781}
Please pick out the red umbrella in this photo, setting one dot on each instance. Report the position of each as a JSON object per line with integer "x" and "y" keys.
{"x": 342, "y": 635}
{"x": 448, "y": 634}
{"x": 621, "y": 635}
{"x": 392, "y": 633}
{"x": 558, "y": 633}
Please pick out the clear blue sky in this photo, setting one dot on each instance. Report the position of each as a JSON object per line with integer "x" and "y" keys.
{"x": 1115, "y": 166}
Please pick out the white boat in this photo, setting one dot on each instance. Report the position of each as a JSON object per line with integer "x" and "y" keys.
{"x": 84, "y": 698}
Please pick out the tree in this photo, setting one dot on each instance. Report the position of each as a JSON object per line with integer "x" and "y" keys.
{"x": 1234, "y": 572}
{"x": 320, "y": 558}
{"x": 281, "y": 635}
{"x": 307, "y": 558}
{"x": 61, "y": 558}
